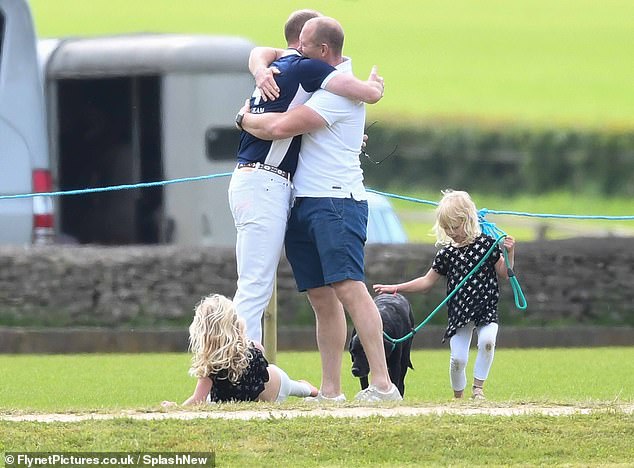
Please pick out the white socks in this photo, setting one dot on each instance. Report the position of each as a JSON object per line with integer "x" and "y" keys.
{"x": 290, "y": 387}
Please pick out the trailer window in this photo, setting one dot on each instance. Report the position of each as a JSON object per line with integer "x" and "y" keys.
{"x": 221, "y": 144}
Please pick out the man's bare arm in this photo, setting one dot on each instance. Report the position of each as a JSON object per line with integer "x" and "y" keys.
{"x": 259, "y": 60}
{"x": 370, "y": 91}
{"x": 275, "y": 125}
{"x": 262, "y": 57}
{"x": 347, "y": 85}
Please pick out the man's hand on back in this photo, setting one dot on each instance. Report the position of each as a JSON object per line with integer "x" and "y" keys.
{"x": 265, "y": 82}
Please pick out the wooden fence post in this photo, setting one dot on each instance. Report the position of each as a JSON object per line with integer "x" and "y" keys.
{"x": 270, "y": 326}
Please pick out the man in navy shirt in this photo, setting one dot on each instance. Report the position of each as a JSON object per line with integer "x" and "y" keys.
{"x": 260, "y": 187}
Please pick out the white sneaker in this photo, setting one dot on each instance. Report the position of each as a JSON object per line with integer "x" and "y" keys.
{"x": 324, "y": 399}
{"x": 374, "y": 395}
{"x": 478, "y": 394}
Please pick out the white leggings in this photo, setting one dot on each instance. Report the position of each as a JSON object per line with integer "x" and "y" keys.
{"x": 289, "y": 387}
{"x": 459, "y": 344}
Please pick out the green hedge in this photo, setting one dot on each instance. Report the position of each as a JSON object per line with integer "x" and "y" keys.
{"x": 502, "y": 160}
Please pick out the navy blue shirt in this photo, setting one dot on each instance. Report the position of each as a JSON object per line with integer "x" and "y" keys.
{"x": 298, "y": 78}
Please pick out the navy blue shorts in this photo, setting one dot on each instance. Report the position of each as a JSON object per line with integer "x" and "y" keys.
{"x": 325, "y": 239}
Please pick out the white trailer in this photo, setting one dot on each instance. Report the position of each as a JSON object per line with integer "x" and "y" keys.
{"x": 145, "y": 108}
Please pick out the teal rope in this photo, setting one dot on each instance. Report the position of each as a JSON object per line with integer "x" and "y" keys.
{"x": 115, "y": 187}
{"x": 403, "y": 197}
{"x": 512, "y": 213}
{"x": 492, "y": 230}
{"x": 449, "y": 296}
{"x": 226, "y": 174}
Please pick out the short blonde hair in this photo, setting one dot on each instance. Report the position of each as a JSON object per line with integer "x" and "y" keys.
{"x": 217, "y": 339}
{"x": 456, "y": 209}
{"x": 295, "y": 23}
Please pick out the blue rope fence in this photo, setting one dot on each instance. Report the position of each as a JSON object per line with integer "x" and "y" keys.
{"x": 115, "y": 187}
{"x": 487, "y": 227}
{"x": 485, "y": 211}
{"x": 227, "y": 174}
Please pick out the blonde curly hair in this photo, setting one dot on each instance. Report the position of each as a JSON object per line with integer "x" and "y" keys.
{"x": 218, "y": 340}
{"x": 456, "y": 210}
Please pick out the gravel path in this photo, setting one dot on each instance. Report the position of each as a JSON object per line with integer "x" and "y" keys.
{"x": 337, "y": 412}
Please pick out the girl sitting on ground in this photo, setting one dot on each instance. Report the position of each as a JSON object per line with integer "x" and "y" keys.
{"x": 475, "y": 304}
{"x": 227, "y": 365}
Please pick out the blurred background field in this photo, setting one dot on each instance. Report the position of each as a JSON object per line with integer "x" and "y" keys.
{"x": 563, "y": 62}
{"x": 467, "y": 78}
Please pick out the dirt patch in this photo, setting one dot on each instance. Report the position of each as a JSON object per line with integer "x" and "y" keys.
{"x": 336, "y": 412}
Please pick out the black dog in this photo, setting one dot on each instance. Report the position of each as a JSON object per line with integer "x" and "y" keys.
{"x": 398, "y": 321}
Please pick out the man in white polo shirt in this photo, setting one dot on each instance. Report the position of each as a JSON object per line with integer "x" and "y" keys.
{"x": 327, "y": 229}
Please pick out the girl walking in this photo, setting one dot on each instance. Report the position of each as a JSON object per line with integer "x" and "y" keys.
{"x": 474, "y": 306}
{"x": 227, "y": 365}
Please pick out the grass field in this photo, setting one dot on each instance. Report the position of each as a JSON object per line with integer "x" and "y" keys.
{"x": 530, "y": 61}
{"x": 577, "y": 441}
{"x": 115, "y": 381}
{"x": 602, "y": 378}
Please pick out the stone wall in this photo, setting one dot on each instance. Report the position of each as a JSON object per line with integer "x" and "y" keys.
{"x": 579, "y": 281}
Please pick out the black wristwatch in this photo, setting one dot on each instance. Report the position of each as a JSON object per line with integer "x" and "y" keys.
{"x": 239, "y": 118}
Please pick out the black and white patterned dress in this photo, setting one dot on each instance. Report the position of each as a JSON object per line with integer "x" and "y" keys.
{"x": 476, "y": 301}
{"x": 251, "y": 382}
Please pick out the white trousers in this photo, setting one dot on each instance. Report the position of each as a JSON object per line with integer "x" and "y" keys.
{"x": 459, "y": 344}
{"x": 260, "y": 203}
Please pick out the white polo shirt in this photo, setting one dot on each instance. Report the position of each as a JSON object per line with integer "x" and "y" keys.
{"x": 329, "y": 163}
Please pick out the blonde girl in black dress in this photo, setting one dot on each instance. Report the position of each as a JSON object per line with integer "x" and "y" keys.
{"x": 227, "y": 365}
{"x": 474, "y": 306}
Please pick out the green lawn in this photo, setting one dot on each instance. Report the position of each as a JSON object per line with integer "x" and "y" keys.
{"x": 603, "y": 439}
{"x": 115, "y": 381}
{"x": 600, "y": 378}
{"x": 535, "y": 61}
